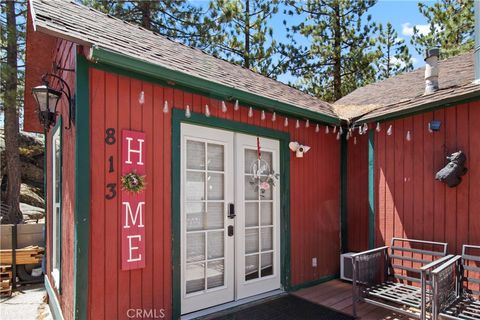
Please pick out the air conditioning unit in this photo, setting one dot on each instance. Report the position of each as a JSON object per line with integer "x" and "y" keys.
{"x": 346, "y": 270}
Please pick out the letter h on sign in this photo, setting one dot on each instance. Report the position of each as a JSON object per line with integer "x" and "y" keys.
{"x": 133, "y": 204}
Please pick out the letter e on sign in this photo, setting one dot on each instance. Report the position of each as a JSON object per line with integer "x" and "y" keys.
{"x": 133, "y": 204}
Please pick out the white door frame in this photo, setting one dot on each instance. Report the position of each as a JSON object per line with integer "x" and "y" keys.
{"x": 235, "y": 287}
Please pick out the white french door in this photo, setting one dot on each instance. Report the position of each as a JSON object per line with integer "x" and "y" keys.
{"x": 230, "y": 235}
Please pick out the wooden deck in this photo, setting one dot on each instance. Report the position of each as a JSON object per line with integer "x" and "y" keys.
{"x": 337, "y": 294}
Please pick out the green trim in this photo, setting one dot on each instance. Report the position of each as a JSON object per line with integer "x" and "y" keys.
{"x": 444, "y": 103}
{"x": 314, "y": 282}
{"x": 371, "y": 189}
{"x": 206, "y": 86}
{"x": 178, "y": 116}
{"x": 343, "y": 192}
{"x": 82, "y": 189}
{"x": 53, "y": 301}
{"x": 45, "y": 199}
{"x": 58, "y": 126}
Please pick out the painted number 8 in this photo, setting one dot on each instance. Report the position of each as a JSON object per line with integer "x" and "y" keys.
{"x": 110, "y": 136}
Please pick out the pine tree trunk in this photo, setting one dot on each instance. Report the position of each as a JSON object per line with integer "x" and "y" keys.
{"x": 146, "y": 15}
{"x": 12, "y": 131}
{"x": 337, "y": 54}
{"x": 246, "y": 53}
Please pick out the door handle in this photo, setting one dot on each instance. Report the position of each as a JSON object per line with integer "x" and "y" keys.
{"x": 230, "y": 231}
{"x": 231, "y": 211}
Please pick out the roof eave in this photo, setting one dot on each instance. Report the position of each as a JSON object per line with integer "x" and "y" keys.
{"x": 442, "y": 103}
{"x": 125, "y": 62}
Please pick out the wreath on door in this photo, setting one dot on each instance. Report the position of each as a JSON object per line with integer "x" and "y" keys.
{"x": 263, "y": 177}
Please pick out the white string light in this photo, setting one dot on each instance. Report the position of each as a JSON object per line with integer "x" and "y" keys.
{"x": 327, "y": 130}
{"x": 285, "y": 123}
{"x": 338, "y": 135}
{"x": 354, "y": 140}
{"x": 334, "y": 129}
{"x": 307, "y": 124}
{"x": 378, "y": 127}
{"x": 188, "y": 114}
{"x": 409, "y": 136}
{"x": 165, "y": 107}
{"x": 297, "y": 124}
{"x": 207, "y": 111}
{"x": 390, "y": 130}
{"x": 262, "y": 116}
{"x": 236, "y": 106}
{"x": 224, "y": 107}
{"x": 317, "y": 128}
{"x": 250, "y": 112}
{"x": 274, "y": 117}
{"x": 141, "y": 97}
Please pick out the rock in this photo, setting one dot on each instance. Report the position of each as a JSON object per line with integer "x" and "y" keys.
{"x": 31, "y": 195}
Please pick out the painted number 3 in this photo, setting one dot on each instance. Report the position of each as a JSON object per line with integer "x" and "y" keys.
{"x": 112, "y": 191}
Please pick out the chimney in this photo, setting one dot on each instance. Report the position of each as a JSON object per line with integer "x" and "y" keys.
{"x": 431, "y": 70}
{"x": 477, "y": 42}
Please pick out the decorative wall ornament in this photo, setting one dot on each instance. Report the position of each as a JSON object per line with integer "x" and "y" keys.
{"x": 298, "y": 148}
{"x": 165, "y": 107}
{"x": 390, "y": 130}
{"x": 452, "y": 173}
{"x": 224, "y": 107}
{"x": 133, "y": 182}
{"x": 263, "y": 177}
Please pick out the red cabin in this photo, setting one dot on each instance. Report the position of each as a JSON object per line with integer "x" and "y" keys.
{"x": 177, "y": 181}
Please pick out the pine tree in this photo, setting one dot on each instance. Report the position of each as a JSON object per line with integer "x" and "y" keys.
{"x": 335, "y": 56}
{"x": 243, "y": 33}
{"x": 393, "y": 54}
{"x": 177, "y": 19}
{"x": 12, "y": 39}
{"x": 451, "y": 25}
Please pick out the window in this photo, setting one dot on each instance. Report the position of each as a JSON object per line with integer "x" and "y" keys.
{"x": 56, "y": 203}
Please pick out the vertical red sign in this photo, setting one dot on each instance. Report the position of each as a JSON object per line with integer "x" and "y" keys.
{"x": 133, "y": 203}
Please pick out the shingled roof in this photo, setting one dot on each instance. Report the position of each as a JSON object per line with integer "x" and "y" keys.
{"x": 402, "y": 93}
{"x": 91, "y": 28}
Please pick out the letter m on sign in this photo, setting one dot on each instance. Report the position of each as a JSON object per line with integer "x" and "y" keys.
{"x": 133, "y": 204}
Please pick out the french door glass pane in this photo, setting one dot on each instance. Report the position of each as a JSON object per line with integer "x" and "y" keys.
{"x": 215, "y": 186}
{"x": 195, "y": 277}
{"x": 195, "y": 155}
{"x": 195, "y": 215}
{"x": 251, "y": 214}
{"x": 215, "y": 157}
{"x": 195, "y": 246}
{"x": 215, "y": 274}
{"x": 267, "y": 264}
{"x": 251, "y": 267}
{"x": 215, "y": 244}
{"x": 250, "y": 193}
{"x": 266, "y": 212}
{"x": 195, "y": 187}
{"x": 250, "y": 157}
{"x": 267, "y": 240}
{"x": 251, "y": 240}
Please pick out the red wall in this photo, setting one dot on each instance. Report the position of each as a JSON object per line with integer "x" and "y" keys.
{"x": 114, "y": 104}
{"x": 357, "y": 193}
{"x": 409, "y": 201}
{"x": 64, "y": 55}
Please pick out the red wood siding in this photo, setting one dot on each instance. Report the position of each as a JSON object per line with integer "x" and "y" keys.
{"x": 409, "y": 201}
{"x": 357, "y": 193}
{"x": 114, "y": 104}
{"x": 64, "y": 55}
{"x": 39, "y": 52}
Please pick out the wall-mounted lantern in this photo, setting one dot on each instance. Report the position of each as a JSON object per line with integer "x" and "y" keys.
{"x": 47, "y": 99}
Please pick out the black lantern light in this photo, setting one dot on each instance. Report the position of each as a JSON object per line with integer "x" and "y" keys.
{"x": 47, "y": 100}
